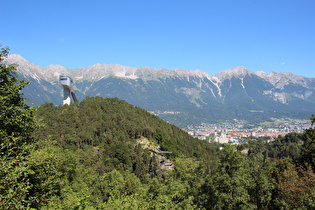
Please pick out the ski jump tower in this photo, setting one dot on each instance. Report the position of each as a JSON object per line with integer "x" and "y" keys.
{"x": 66, "y": 82}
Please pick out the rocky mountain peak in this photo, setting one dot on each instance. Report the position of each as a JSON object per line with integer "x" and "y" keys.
{"x": 52, "y": 72}
{"x": 100, "y": 71}
{"x": 281, "y": 79}
{"x": 24, "y": 68}
{"x": 238, "y": 72}
{"x": 15, "y": 58}
{"x": 261, "y": 74}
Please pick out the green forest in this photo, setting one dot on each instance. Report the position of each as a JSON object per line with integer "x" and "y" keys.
{"x": 104, "y": 153}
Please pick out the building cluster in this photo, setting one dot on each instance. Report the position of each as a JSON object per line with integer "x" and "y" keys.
{"x": 235, "y": 132}
{"x": 159, "y": 112}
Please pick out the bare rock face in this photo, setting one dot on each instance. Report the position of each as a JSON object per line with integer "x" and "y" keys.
{"x": 279, "y": 80}
{"x": 165, "y": 164}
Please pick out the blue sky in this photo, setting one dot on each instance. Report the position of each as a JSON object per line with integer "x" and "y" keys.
{"x": 210, "y": 35}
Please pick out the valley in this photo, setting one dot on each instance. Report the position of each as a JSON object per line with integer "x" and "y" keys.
{"x": 236, "y": 132}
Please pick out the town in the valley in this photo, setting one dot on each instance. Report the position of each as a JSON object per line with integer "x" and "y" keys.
{"x": 237, "y": 132}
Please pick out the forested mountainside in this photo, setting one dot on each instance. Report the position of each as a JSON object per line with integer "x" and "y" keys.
{"x": 181, "y": 97}
{"x": 115, "y": 126}
{"x": 103, "y": 154}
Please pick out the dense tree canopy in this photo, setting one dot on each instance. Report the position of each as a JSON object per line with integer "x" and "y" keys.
{"x": 16, "y": 126}
{"x": 114, "y": 125}
{"x": 102, "y": 136}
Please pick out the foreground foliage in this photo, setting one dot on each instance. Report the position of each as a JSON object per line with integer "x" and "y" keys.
{"x": 16, "y": 126}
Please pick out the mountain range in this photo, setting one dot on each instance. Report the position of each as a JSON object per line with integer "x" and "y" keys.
{"x": 181, "y": 97}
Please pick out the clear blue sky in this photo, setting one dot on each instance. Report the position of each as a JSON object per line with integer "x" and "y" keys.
{"x": 210, "y": 35}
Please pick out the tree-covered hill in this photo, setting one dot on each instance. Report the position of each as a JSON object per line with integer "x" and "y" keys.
{"x": 114, "y": 124}
{"x": 100, "y": 138}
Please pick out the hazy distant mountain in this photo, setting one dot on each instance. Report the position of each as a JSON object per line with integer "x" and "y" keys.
{"x": 179, "y": 96}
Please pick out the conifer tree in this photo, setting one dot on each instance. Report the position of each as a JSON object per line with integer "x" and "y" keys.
{"x": 16, "y": 125}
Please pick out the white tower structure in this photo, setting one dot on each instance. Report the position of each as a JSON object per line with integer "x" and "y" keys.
{"x": 66, "y": 82}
